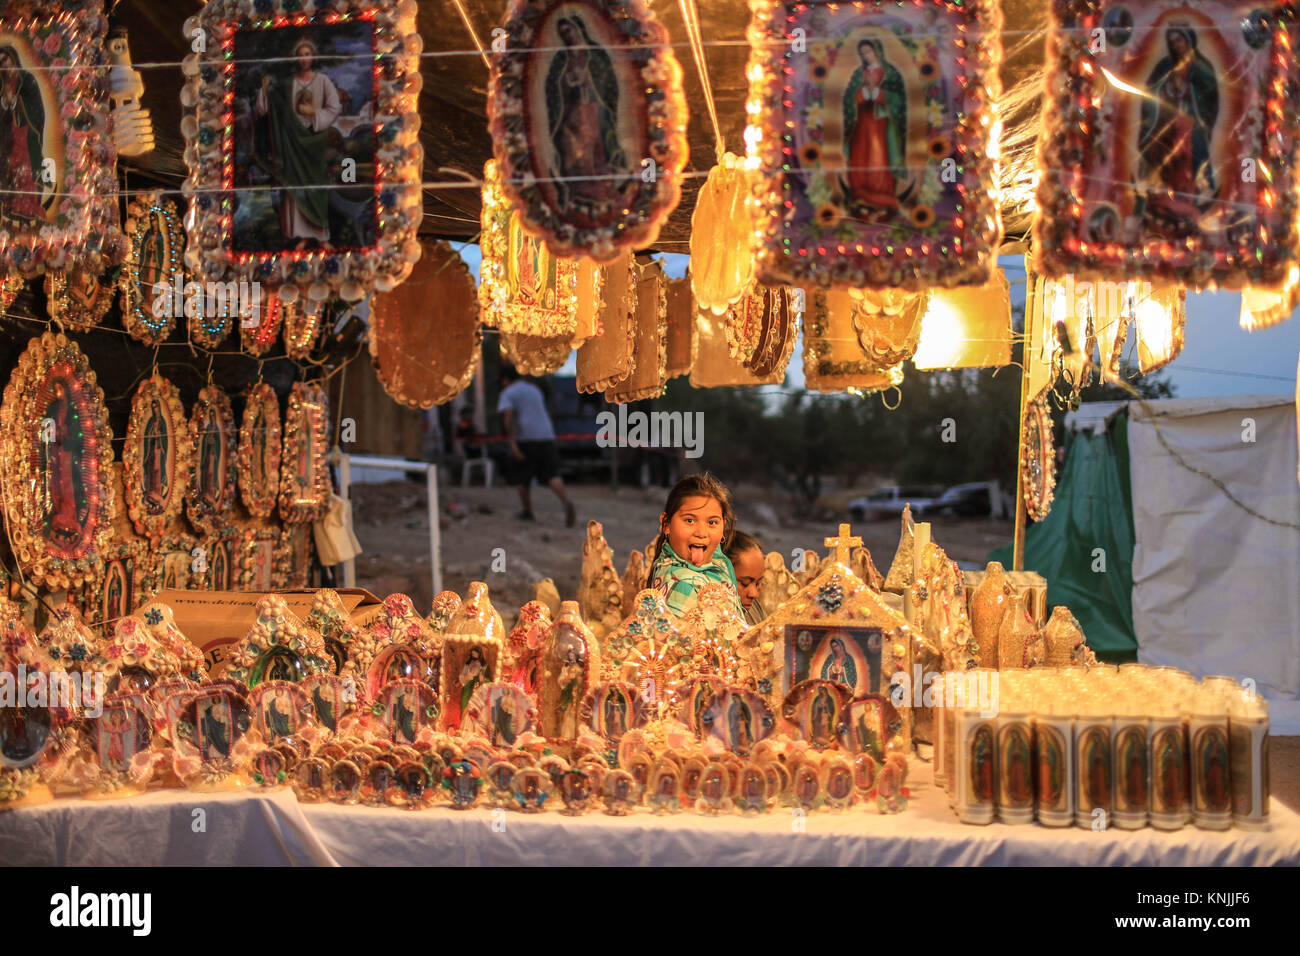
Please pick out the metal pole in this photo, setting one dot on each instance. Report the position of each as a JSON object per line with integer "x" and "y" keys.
{"x": 1018, "y": 542}
{"x": 435, "y": 529}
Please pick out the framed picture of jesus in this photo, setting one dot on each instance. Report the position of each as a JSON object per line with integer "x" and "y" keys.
{"x": 870, "y": 124}
{"x": 304, "y": 124}
{"x": 1168, "y": 149}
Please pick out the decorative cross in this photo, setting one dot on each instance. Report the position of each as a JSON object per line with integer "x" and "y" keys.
{"x": 843, "y": 544}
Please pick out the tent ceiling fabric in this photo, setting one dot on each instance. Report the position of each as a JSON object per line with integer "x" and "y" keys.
{"x": 453, "y": 103}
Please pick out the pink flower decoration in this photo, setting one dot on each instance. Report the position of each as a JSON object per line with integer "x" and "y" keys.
{"x": 53, "y": 43}
{"x": 114, "y": 651}
{"x": 58, "y": 63}
{"x": 70, "y": 81}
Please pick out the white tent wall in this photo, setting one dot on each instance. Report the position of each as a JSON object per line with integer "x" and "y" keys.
{"x": 1216, "y": 590}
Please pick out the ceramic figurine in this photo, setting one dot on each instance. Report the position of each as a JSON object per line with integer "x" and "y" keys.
{"x": 634, "y": 577}
{"x": 462, "y": 780}
{"x": 524, "y": 646}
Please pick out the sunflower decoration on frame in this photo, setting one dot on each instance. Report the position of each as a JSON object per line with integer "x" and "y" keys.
{"x": 882, "y": 139}
{"x": 276, "y": 97}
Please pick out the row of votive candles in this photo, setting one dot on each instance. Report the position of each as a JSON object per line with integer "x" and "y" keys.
{"x": 1103, "y": 746}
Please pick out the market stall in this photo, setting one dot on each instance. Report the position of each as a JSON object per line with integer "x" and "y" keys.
{"x": 162, "y": 632}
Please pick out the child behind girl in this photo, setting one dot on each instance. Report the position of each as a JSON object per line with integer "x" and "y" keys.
{"x": 695, "y": 526}
{"x": 746, "y": 557}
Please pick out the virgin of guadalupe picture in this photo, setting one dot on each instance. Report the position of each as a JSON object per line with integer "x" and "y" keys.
{"x": 875, "y": 130}
{"x": 155, "y": 452}
{"x": 612, "y": 710}
{"x": 844, "y": 655}
{"x": 304, "y": 116}
{"x": 878, "y": 127}
{"x": 585, "y": 95}
{"x": 1177, "y": 125}
{"x": 58, "y": 498}
{"x": 1168, "y": 176}
{"x": 26, "y": 196}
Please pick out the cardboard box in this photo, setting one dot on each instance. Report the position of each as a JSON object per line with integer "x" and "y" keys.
{"x": 214, "y": 621}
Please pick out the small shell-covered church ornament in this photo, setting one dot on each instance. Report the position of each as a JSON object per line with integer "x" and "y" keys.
{"x": 834, "y": 628}
{"x": 524, "y": 646}
{"x": 277, "y": 647}
{"x": 939, "y": 596}
{"x": 777, "y": 584}
{"x": 472, "y": 651}
{"x": 651, "y": 651}
{"x": 395, "y": 644}
{"x": 148, "y": 647}
{"x": 329, "y": 619}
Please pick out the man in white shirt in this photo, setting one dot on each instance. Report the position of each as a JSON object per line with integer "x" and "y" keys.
{"x": 531, "y": 438}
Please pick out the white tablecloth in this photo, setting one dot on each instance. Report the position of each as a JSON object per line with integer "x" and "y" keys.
{"x": 271, "y": 827}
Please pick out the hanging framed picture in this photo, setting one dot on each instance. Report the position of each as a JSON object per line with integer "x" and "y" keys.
{"x": 260, "y": 329}
{"x": 1168, "y": 149}
{"x": 59, "y": 204}
{"x": 261, "y": 562}
{"x": 297, "y": 549}
{"x": 609, "y": 358}
{"x": 650, "y": 329}
{"x": 535, "y": 354}
{"x": 175, "y": 565}
{"x": 79, "y": 298}
{"x": 303, "y": 321}
{"x": 1038, "y": 460}
{"x": 873, "y": 126}
{"x": 417, "y": 369}
{"x": 118, "y": 589}
{"x": 257, "y": 458}
{"x": 524, "y": 289}
{"x": 152, "y": 278}
{"x": 588, "y": 120}
{"x": 219, "y": 559}
{"x": 304, "y": 478}
{"x": 212, "y": 479}
{"x": 56, "y": 464}
{"x": 325, "y": 94}
{"x": 156, "y": 457}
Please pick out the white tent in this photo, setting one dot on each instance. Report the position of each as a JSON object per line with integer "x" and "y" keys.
{"x": 1216, "y": 522}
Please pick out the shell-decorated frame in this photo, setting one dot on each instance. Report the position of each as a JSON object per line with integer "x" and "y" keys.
{"x": 304, "y": 480}
{"x": 1169, "y": 142}
{"x": 371, "y": 245}
{"x": 257, "y": 458}
{"x": 277, "y": 647}
{"x": 56, "y": 464}
{"x": 69, "y": 220}
{"x": 212, "y": 437}
{"x": 1038, "y": 461}
{"x": 156, "y": 248}
{"x": 579, "y": 179}
{"x": 79, "y": 298}
{"x": 156, "y": 457}
{"x": 827, "y": 214}
{"x": 835, "y": 602}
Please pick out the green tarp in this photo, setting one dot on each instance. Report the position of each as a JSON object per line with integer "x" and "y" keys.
{"x": 1092, "y": 510}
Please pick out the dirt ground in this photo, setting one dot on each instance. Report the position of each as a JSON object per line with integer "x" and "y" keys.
{"x": 391, "y": 523}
